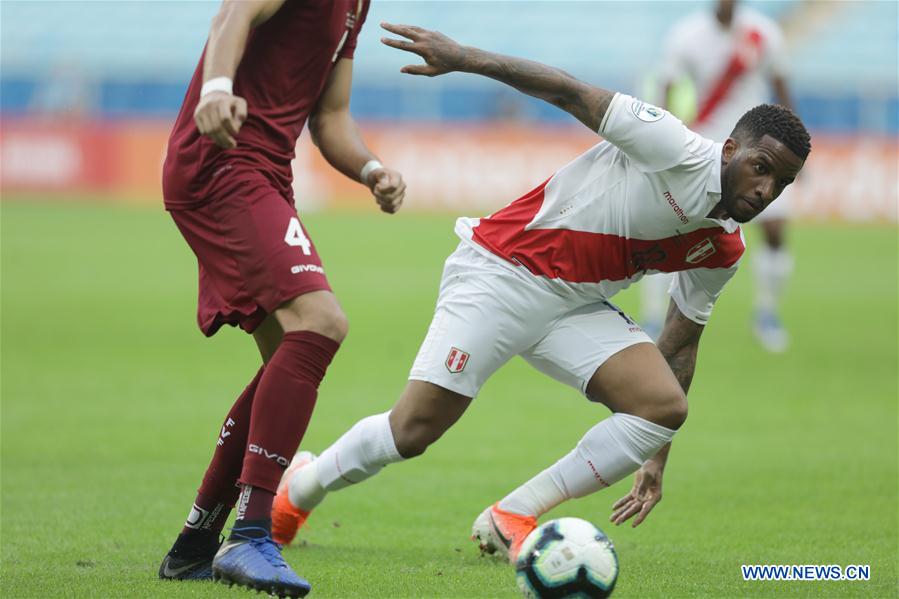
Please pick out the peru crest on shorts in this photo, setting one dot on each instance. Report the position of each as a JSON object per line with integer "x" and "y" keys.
{"x": 456, "y": 360}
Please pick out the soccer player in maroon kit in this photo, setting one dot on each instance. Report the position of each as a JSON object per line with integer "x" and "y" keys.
{"x": 268, "y": 66}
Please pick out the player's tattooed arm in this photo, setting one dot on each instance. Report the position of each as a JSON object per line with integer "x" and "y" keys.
{"x": 443, "y": 55}
{"x": 220, "y": 114}
{"x": 679, "y": 344}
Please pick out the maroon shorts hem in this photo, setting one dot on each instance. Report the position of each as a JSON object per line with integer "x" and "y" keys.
{"x": 250, "y": 321}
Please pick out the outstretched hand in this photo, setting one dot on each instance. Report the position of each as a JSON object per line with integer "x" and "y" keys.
{"x": 442, "y": 54}
{"x": 645, "y": 494}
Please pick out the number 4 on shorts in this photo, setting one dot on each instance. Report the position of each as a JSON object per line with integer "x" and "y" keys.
{"x": 295, "y": 237}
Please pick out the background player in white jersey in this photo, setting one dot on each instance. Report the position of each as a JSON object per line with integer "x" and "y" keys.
{"x": 534, "y": 280}
{"x": 734, "y": 57}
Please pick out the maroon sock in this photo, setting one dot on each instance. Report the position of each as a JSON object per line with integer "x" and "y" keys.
{"x": 283, "y": 406}
{"x": 255, "y": 504}
{"x": 219, "y": 490}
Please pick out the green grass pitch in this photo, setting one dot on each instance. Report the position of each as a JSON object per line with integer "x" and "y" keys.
{"x": 111, "y": 399}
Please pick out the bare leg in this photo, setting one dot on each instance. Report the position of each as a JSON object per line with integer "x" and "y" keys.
{"x": 638, "y": 381}
{"x": 423, "y": 413}
{"x": 268, "y": 336}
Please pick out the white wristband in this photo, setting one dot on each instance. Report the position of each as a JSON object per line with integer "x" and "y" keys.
{"x": 217, "y": 84}
{"x": 370, "y": 166}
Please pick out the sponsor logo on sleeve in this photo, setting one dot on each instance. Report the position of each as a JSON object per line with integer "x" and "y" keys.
{"x": 300, "y": 268}
{"x": 700, "y": 251}
{"x": 646, "y": 112}
{"x": 456, "y": 360}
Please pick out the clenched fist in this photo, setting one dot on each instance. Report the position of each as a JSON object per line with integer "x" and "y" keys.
{"x": 219, "y": 115}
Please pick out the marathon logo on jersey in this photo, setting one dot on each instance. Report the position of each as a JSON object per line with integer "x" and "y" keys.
{"x": 298, "y": 268}
{"x": 677, "y": 209}
{"x": 646, "y": 112}
{"x": 253, "y": 448}
{"x": 456, "y": 360}
{"x": 700, "y": 251}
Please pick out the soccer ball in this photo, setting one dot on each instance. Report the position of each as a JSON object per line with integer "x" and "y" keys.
{"x": 568, "y": 557}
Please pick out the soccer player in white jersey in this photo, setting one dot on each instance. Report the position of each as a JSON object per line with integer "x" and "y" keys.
{"x": 535, "y": 278}
{"x": 734, "y": 57}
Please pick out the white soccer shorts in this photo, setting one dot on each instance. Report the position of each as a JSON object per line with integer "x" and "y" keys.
{"x": 488, "y": 312}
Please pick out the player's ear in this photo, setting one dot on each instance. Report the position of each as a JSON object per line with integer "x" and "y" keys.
{"x": 730, "y": 148}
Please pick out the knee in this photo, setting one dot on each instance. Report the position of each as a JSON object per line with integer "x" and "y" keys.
{"x": 671, "y": 412}
{"x": 334, "y": 325}
{"x": 326, "y": 318}
{"x": 413, "y": 436}
{"x": 666, "y": 408}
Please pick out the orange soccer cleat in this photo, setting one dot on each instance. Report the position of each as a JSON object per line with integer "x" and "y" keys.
{"x": 286, "y": 517}
{"x": 499, "y": 530}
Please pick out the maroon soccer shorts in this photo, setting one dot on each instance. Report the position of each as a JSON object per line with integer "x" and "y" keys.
{"x": 252, "y": 250}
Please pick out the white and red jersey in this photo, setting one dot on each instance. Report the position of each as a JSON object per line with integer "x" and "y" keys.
{"x": 634, "y": 204}
{"x": 730, "y": 67}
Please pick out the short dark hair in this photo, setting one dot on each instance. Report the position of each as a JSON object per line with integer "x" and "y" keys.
{"x": 779, "y": 122}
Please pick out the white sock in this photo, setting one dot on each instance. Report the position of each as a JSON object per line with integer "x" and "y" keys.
{"x": 537, "y": 496}
{"x": 303, "y": 489}
{"x": 772, "y": 270}
{"x": 359, "y": 454}
{"x": 609, "y": 451}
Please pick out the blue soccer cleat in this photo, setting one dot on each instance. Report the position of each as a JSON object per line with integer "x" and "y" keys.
{"x": 256, "y": 563}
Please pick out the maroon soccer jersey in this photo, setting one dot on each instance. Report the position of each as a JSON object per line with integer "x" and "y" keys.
{"x": 285, "y": 66}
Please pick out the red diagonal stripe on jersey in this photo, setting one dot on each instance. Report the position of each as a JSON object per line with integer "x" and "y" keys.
{"x": 736, "y": 67}
{"x": 584, "y": 257}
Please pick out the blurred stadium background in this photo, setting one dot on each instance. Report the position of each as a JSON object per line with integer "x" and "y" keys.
{"x": 92, "y": 88}
{"x": 110, "y": 396}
